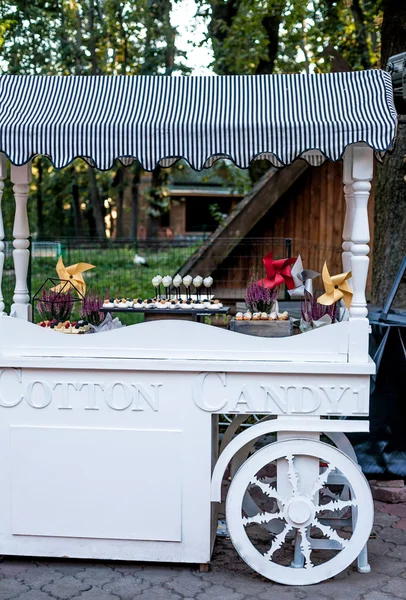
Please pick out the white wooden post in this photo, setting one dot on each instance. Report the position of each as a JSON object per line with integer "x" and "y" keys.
{"x": 3, "y": 175}
{"x": 362, "y": 172}
{"x": 21, "y": 177}
{"x": 349, "y": 212}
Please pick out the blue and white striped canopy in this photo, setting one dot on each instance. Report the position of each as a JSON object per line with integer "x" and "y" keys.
{"x": 161, "y": 119}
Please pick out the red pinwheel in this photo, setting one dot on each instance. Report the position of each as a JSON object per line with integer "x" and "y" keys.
{"x": 278, "y": 272}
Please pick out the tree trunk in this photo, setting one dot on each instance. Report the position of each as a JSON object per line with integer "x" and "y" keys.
{"x": 97, "y": 205}
{"x": 361, "y": 32}
{"x": 271, "y": 23}
{"x": 390, "y": 195}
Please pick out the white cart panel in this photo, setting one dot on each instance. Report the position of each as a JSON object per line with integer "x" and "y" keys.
{"x": 95, "y": 483}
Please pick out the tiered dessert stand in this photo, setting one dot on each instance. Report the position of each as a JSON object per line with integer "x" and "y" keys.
{"x": 109, "y": 442}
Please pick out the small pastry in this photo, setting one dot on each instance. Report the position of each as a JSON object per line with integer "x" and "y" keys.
{"x": 239, "y": 316}
{"x": 198, "y": 306}
{"x": 172, "y": 304}
{"x": 284, "y": 316}
{"x": 122, "y": 303}
{"x": 208, "y": 282}
{"x": 116, "y": 302}
{"x": 247, "y": 316}
{"x": 264, "y": 316}
{"x": 273, "y": 316}
{"x": 109, "y": 303}
{"x": 256, "y": 316}
{"x": 129, "y": 303}
{"x": 187, "y": 280}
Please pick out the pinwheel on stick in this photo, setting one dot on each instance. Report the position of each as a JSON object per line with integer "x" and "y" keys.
{"x": 303, "y": 279}
{"x": 336, "y": 288}
{"x": 71, "y": 277}
{"x": 278, "y": 272}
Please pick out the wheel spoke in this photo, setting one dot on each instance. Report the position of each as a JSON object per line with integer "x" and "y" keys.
{"x": 305, "y": 547}
{"x": 336, "y": 505}
{"x": 330, "y": 533}
{"x": 292, "y": 475}
{"x": 262, "y": 518}
{"x": 267, "y": 489}
{"x": 278, "y": 541}
{"x": 321, "y": 481}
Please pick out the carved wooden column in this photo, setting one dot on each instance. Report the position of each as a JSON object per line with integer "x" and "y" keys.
{"x": 3, "y": 175}
{"x": 349, "y": 211}
{"x": 21, "y": 177}
{"x": 362, "y": 171}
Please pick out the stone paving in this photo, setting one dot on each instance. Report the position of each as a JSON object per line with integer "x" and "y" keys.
{"x": 228, "y": 579}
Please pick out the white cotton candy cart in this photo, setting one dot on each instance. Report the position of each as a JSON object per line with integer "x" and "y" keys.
{"x": 109, "y": 442}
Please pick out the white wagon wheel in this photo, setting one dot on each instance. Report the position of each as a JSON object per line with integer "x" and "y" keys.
{"x": 298, "y": 513}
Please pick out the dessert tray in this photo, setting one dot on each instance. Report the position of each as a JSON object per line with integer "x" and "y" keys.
{"x": 162, "y": 304}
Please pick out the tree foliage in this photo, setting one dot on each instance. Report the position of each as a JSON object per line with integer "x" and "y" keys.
{"x": 84, "y": 37}
{"x": 282, "y": 36}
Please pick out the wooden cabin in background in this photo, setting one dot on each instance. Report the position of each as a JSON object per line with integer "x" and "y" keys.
{"x": 295, "y": 210}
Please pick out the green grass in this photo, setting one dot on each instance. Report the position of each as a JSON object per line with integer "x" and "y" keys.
{"x": 115, "y": 274}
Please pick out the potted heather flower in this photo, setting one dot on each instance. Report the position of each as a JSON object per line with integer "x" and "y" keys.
{"x": 53, "y": 305}
{"x": 259, "y": 298}
{"x": 90, "y": 312}
{"x": 315, "y": 315}
{"x": 262, "y": 317}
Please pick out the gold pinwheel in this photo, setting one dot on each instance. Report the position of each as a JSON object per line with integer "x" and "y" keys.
{"x": 336, "y": 287}
{"x": 72, "y": 275}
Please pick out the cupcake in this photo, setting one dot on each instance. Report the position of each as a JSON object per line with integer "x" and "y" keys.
{"x": 256, "y": 316}
{"x": 122, "y": 303}
{"x": 247, "y": 316}
{"x": 284, "y": 316}
{"x": 239, "y": 316}
{"x": 273, "y": 316}
{"x": 129, "y": 303}
{"x": 264, "y": 316}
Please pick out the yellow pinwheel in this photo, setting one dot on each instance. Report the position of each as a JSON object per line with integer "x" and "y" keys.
{"x": 336, "y": 287}
{"x": 73, "y": 275}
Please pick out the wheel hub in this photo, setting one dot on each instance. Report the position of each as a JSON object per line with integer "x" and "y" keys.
{"x": 299, "y": 511}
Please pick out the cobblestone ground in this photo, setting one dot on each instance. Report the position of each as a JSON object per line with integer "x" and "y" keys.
{"x": 228, "y": 579}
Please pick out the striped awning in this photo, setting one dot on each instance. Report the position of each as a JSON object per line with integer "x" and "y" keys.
{"x": 161, "y": 119}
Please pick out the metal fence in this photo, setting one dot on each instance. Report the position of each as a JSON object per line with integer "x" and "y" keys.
{"x": 117, "y": 274}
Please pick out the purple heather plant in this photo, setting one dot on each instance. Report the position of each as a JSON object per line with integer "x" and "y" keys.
{"x": 92, "y": 301}
{"x": 55, "y": 305}
{"x": 259, "y": 298}
{"x": 311, "y": 310}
